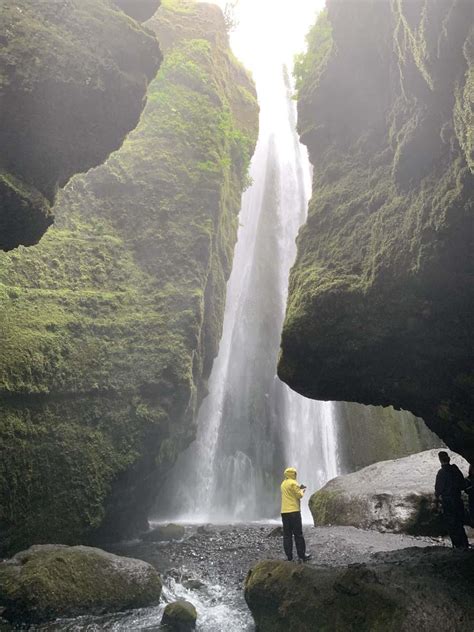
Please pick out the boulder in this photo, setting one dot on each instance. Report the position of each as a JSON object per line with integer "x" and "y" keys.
{"x": 395, "y": 496}
{"x": 46, "y": 582}
{"x": 179, "y": 616}
{"x": 165, "y": 533}
{"x": 401, "y": 591}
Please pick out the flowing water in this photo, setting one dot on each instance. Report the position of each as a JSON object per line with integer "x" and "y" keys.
{"x": 251, "y": 425}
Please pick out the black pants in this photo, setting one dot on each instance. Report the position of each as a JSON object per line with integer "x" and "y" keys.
{"x": 293, "y": 527}
{"x": 453, "y": 511}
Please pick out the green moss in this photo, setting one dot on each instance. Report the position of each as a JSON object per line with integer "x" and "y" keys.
{"x": 49, "y": 582}
{"x": 322, "y": 506}
{"x": 393, "y": 435}
{"x": 283, "y": 597}
{"x": 309, "y": 66}
{"x": 111, "y": 323}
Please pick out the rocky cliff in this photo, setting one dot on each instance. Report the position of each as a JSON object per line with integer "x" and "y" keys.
{"x": 110, "y": 325}
{"x": 368, "y": 434}
{"x": 380, "y": 309}
{"x": 73, "y": 78}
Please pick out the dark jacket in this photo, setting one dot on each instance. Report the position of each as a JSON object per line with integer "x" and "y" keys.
{"x": 449, "y": 482}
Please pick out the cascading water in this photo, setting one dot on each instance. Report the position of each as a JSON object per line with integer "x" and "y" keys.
{"x": 251, "y": 425}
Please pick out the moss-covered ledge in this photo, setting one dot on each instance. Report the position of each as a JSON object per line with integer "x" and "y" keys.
{"x": 111, "y": 323}
{"x": 380, "y": 308}
{"x": 73, "y": 78}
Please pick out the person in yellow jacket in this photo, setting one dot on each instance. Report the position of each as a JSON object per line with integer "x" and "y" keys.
{"x": 291, "y": 494}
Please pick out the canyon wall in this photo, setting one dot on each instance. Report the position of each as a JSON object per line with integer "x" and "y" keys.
{"x": 368, "y": 434}
{"x": 380, "y": 308}
{"x": 111, "y": 323}
{"x": 73, "y": 78}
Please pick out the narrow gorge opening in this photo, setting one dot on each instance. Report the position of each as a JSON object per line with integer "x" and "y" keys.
{"x": 251, "y": 425}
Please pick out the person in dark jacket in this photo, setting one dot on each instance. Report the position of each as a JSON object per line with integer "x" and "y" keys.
{"x": 449, "y": 484}
{"x": 470, "y": 493}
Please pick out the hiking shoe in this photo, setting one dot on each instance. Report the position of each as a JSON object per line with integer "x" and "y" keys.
{"x": 306, "y": 558}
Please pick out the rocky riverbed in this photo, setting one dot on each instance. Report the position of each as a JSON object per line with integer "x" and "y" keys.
{"x": 209, "y": 565}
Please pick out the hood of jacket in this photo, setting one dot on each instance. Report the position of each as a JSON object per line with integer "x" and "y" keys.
{"x": 290, "y": 472}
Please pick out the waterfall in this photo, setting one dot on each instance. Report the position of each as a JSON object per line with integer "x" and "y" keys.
{"x": 251, "y": 425}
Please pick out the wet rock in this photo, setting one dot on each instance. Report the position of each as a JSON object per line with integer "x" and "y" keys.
{"x": 194, "y": 584}
{"x": 165, "y": 533}
{"x": 179, "y": 616}
{"x": 396, "y": 592}
{"x": 395, "y": 496}
{"x": 277, "y": 532}
{"x": 140, "y": 10}
{"x": 46, "y": 582}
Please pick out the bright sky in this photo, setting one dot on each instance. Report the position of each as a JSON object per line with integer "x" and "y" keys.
{"x": 275, "y": 28}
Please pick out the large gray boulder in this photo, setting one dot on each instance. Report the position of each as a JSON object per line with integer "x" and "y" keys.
{"x": 393, "y": 496}
{"x": 46, "y": 582}
{"x": 422, "y": 589}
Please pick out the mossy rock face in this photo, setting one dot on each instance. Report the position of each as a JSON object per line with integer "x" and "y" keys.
{"x": 110, "y": 325}
{"x": 380, "y": 307}
{"x": 369, "y": 434}
{"x": 180, "y": 616}
{"x": 73, "y": 78}
{"x": 53, "y": 581}
{"x": 394, "y": 592}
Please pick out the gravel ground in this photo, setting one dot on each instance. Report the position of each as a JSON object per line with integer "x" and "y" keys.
{"x": 224, "y": 554}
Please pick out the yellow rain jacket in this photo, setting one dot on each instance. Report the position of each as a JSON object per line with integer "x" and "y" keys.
{"x": 291, "y": 494}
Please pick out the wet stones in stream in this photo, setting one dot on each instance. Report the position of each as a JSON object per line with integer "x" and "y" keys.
{"x": 179, "y": 616}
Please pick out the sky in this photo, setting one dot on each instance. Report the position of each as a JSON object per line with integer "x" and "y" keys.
{"x": 275, "y": 28}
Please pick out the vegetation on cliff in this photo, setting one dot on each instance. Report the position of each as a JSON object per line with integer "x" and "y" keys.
{"x": 380, "y": 308}
{"x": 73, "y": 78}
{"x": 110, "y": 325}
{"x": 368, "y": 434}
